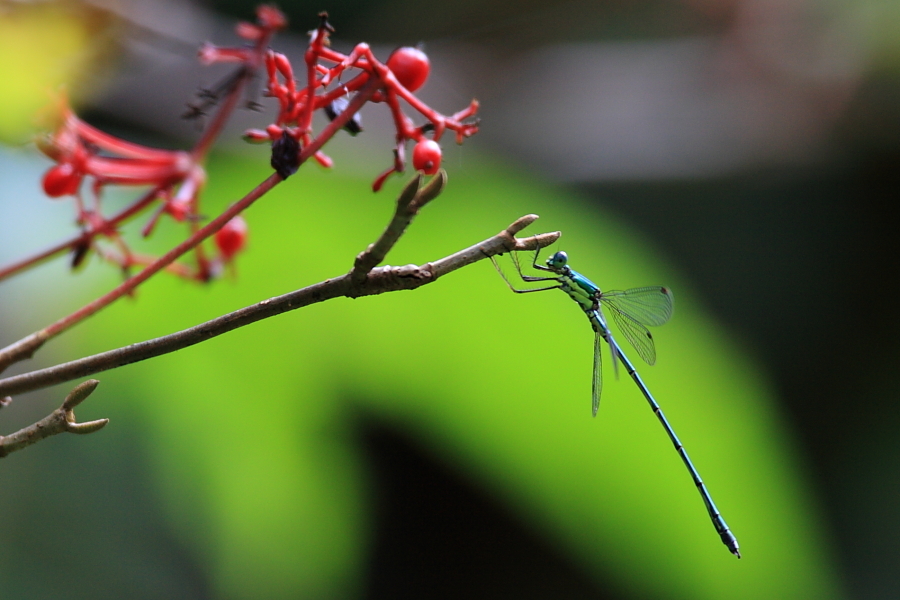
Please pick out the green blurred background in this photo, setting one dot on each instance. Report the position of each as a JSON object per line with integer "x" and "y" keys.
{"x": 438, "y": 443}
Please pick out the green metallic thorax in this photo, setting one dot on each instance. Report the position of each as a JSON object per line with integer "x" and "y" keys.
{"x": 581, "y": 289}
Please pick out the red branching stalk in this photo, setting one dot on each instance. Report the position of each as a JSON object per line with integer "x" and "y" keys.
{"x": 177, "y": 177}
{"x": 26, "y": 347}
{"x": 296, "y": 105}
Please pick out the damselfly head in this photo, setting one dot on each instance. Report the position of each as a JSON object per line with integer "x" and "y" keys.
{"x": 558, "y": 260}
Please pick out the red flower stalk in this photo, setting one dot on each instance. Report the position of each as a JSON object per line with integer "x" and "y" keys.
{"x": 77, "y": 147}
{"x": 405, "y": 71}
{"x": 83, "y": 152}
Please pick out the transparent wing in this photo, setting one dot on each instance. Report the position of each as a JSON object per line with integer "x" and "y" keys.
{"x": 650, "y": 306}
{"x": 635, "y": 333}
{"x": 598, "y": 377}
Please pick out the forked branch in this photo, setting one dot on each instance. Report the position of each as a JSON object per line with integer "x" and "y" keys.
{"x": 411, "y": 200}
{"x": 61, "y": 420}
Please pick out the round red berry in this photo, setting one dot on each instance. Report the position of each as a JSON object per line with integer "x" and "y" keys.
{"x": 61, "y": 180}
{"x": 410, "y": 66}
{"x": 427, "y": 156}
{"x": 232, "y": 238}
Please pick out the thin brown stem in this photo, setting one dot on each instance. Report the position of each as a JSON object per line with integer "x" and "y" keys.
{"x": 377, "y": 281}
{"x": 212, "y": 131}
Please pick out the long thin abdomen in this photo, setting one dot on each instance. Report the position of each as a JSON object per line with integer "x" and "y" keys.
{"x": 718, "y": 522}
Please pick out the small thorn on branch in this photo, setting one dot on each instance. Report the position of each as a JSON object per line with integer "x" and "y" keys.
{"x": 431, "y": 190}
{"x": 521, "y": 223}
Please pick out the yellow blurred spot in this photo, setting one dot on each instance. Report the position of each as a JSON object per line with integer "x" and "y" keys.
{"x": 42, "y": 48}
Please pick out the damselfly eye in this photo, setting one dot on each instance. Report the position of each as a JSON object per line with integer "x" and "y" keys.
{"x": 558, "y": 260}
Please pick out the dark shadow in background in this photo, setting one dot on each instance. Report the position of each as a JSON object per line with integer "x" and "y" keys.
{"x": 439, "y": 537}
{"x": 101, "y": 533}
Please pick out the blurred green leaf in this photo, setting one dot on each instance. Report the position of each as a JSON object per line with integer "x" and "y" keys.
{"x": 252, "y": 433}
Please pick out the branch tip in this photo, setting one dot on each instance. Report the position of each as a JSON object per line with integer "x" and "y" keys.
{"x": 521, "y": 223}
{"x": 79, "y": 393}
{"x": 86, "y": 427}
{"x": 432, "y": 190}
{"x": 541, "y": 240}
{"x": 61, "y": 420}
{"x": 409, "y": 193}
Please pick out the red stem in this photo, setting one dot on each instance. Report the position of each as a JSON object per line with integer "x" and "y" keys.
{"x": 165, "y": 260}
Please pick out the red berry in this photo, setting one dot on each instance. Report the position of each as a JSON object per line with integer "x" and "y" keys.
{"x": 410, "y": 66}
{"x": 61, "y": 180}
{"x": 427, "y": 156}
{"x": 232, "y": 238}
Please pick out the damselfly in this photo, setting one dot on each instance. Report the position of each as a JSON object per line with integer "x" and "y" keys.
{"x": 632, "y": 311}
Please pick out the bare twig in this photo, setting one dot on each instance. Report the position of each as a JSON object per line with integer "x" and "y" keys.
{"x": 61, "y": 420}
{"x": 376, "y": 281}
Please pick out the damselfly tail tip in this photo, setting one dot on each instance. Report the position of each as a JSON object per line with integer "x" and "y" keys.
{"x": 731, "y": 543}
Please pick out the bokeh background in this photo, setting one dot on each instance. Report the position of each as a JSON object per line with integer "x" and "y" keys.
{"x": 438, "y": 443}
